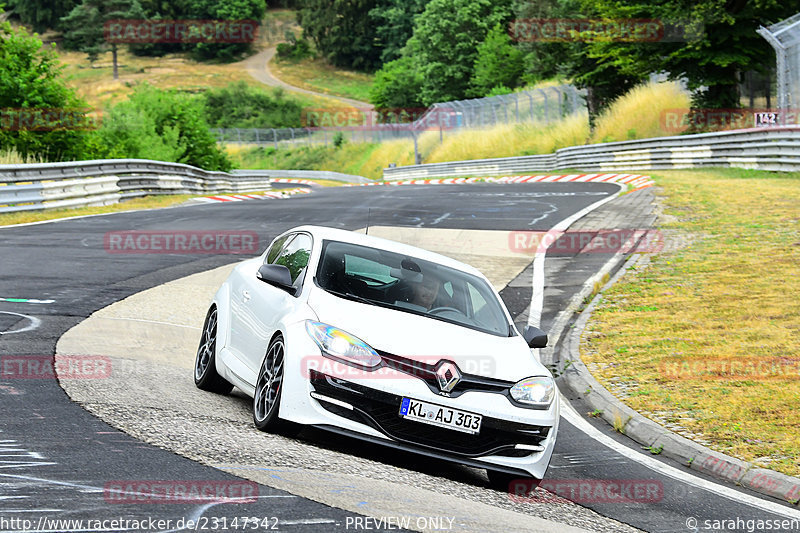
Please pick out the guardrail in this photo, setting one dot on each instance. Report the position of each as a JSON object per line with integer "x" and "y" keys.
{"x": 776, "y": 149}
{"x": 103, "y": 182}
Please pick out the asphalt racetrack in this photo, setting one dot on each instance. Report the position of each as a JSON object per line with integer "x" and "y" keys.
{"x": 60, "y": 461}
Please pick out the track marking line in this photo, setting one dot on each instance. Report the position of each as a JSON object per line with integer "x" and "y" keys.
{"x": 571, "y": 415}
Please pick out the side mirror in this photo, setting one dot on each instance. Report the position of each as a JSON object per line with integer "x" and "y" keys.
{"x": 276, "y": 275}
{"x": 535, "y": 337}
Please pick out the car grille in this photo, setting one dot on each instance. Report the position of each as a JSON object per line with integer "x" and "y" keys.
{"x": 427, "y": 373}
{"x": 380, "y": 410}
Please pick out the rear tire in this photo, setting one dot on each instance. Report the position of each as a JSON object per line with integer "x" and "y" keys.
{"x": 205, "y": 363}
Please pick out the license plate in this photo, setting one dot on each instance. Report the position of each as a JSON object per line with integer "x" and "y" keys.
{"x": 438, "y": 415}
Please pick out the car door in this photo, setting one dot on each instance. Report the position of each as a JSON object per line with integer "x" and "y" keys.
{"x": 266, "y": 304}
{"x": 241, "y": 327}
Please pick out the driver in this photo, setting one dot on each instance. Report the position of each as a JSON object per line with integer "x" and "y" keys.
{"x": 424, "y": 293}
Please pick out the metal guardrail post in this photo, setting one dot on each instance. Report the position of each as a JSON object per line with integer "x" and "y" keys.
{"x": 530, "y": 102}
{"x": 560, "y": 108}
{"x": 546, "y": 106}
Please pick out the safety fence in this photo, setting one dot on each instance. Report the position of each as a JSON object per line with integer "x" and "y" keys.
{"x": 335, "y": 125}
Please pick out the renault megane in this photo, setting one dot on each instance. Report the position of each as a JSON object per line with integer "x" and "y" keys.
{"x": 384, "y": 342}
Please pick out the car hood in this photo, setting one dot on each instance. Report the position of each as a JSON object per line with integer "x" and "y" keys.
{"x": 428, "y": 340}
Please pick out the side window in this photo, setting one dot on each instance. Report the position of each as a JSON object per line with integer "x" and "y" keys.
{"x": 275, "y": 248}
{"x": 295, "y": 257}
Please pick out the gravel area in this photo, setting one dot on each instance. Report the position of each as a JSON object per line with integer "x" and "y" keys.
{"x": 160, "y": 405}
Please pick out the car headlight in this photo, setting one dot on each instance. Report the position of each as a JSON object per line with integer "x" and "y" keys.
{"x": 338, "y": 344}
{"x": 536, "y": 392}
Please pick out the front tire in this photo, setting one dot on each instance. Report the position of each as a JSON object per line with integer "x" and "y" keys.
{"x": 205, "y": 363}
{"x": 267, "y": 398}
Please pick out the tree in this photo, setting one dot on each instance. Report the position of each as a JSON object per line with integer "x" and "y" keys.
{"x": 31, "y": 88}
{"x": 84, "y": 27}
{"x": 397, "y": 85}
{"x": 394, "y": 24}
{"x": 713, "y": 62}
{"x": 499, "y": 63}
{"x": 342, "y": 32}
{"x": 227, "y": 10}
{"x": 42, "y": 14}
{"x": 603, "y": 80}
{"x": 445, "y": 42}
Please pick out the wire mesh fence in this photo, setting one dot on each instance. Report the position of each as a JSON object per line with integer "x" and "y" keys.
{"x": 293, "y": 137}
{"x": 784, "y": 37}
{"x": 540, "y": 105}
{"x": 337, "y": 125}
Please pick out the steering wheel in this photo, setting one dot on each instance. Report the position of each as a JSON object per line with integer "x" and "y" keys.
{"x": 437, "y": 310}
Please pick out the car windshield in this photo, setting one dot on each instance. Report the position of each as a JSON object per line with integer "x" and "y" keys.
{"x": 388, "y": 279}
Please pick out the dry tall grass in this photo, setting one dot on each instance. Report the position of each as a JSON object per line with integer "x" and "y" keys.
{"x": 640, "y": 113}
{"x": 12, "y": 157}
{"x": 506, "y": 140}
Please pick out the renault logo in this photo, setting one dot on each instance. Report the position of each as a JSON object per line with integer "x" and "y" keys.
{"x": 448, "y": 376}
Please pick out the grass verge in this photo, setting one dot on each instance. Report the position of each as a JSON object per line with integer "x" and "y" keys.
{"x": 147, "y": 202}
{"x": 318, "y": 76}
{"x": 95, "y": 84}
{"x": 706, "y": 339}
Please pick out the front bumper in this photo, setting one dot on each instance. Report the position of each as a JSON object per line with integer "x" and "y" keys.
{"x": 367, "y": 407}
{"x": 379, "y": 410}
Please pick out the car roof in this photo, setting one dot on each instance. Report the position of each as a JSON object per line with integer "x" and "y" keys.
{"x": 336, "y": 234}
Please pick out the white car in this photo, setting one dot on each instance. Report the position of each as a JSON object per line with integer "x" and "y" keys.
{"x": 384, "y": 342}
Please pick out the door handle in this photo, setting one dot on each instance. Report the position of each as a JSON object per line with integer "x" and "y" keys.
{"x": 245, "y": 295}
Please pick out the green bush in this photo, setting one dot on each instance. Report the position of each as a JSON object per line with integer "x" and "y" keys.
{"x": 295, "y": 51}
{"x": 162, "y": 125}
{"x": 240, "y": 105}
{"x": 397, "y": 85}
